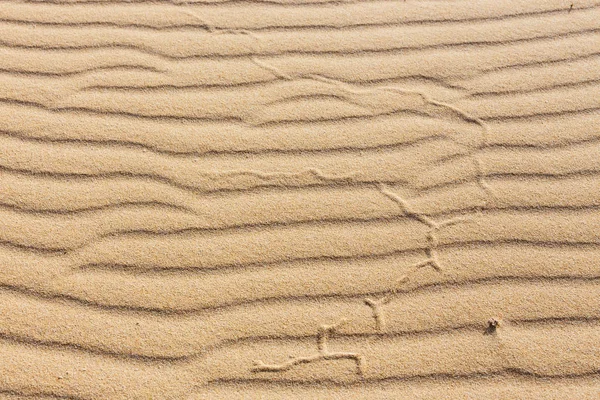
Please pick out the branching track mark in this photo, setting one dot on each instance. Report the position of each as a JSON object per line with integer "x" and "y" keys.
{"x": 432, "y": 259}
{"x": 432, "y": 239}
{"x": 323, "y": 354}
{"x": 378, "y": 314}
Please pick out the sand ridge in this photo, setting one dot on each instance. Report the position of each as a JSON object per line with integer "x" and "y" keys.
{"x": 229, "y": 199}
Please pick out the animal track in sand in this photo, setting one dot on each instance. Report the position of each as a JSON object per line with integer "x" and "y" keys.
{"x": 323, "y": 354}
{"x": 432, "y": 259}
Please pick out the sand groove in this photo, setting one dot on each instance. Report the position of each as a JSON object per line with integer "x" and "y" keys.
{"x": 283, "y": 198}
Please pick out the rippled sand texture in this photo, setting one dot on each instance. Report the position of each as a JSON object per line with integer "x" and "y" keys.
{"x": 299, "y": 199}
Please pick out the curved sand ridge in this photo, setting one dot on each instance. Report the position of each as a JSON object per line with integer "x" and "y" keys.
{"x": 299, "y": 199}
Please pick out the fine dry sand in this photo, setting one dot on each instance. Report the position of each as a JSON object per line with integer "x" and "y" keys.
{"x": 299, "y": 199}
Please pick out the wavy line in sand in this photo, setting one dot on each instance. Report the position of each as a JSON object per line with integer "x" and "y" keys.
{"x": 162, "y": 288}
{"x": 128, "y": 159}
{"x": 389, "y": 358}
{"x": 546, "y": 77}
{"x": 195, "y": 138}
{"x": 24, "y": 191}
{"x": 97, "y": 223}
{"x": 171, "y": 339}
{"x": 244, "y": 16}
{"x": 193, "y": 248}
{"x": 199, "y": 177}
{"x": 555, "y": 101}
{"x": 192, "y": 139}
{"x": 60, "y": 373}
{"x": 506, "y": 385}
{"x": 477, "y": 162}
{"x": 442, "y": 64}
{"x": 240, "y": 42}
{"x": 439, "y": 65}
{"x": 185, "y": 75}
{"x": 453, "y": 90}
{"x": 196, "y": 291}
{"x": 426, "y": 100}
{"x": 562, "y": 158}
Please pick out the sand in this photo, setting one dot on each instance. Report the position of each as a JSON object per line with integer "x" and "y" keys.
{"x": 299, "y": 199}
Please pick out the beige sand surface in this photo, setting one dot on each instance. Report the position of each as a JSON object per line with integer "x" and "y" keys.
{"x": 299, "y": 199}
